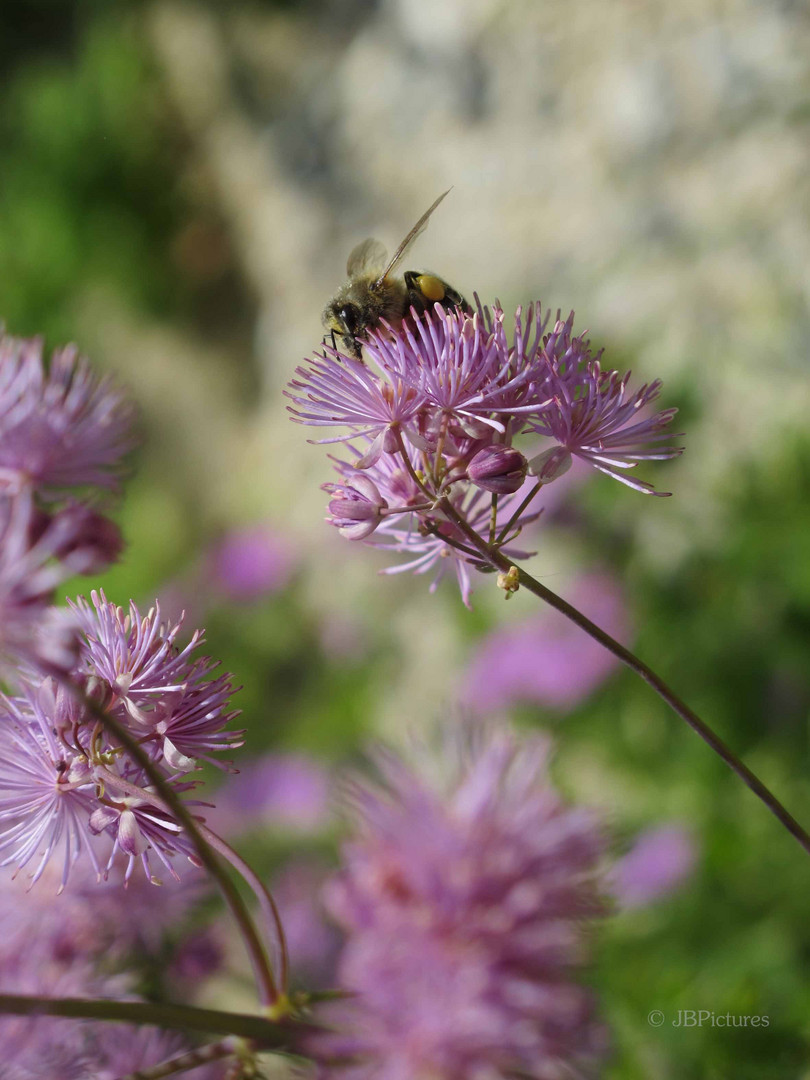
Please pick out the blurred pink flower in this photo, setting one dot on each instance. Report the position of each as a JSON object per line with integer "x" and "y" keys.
{"x": 545, "y": 659}
{"x": 659, "y": 861}
{"x": 284, "y": 791}
{"x": 251, "y": 562}
{"x": 313, "y": 941}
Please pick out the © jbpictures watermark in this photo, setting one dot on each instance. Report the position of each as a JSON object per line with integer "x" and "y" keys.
{"x": 689, "y": 1018}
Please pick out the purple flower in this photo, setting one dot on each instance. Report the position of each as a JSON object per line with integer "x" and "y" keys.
{"x": 471, "y": 893}
{"x": 342, "y": 391}
{"x": 286, "y": 792}
{"x": 593, "y": 416}
{"x": 422, "y": 536}
{"x": 62, "y": 427}
{"x": 356, "y": 506}
{"x": 462, "y": 366}
{"x": 47, "y": 793}
{"x": 462, "y": 388}
{"x": 158, "y": 688}
{"x": 545, "y": 659}
{"x": 38, "y": 551}
{"x": 251, "y": 562}
{"x": 659, "y": 861}
{"x": 137, "y": 827}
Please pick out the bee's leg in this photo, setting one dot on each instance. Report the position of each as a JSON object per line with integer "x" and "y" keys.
{"x": 454, "y": 299}
{"x": 425, "y": 290}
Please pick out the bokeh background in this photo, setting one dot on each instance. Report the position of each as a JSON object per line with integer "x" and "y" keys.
{"x": 180, "y": 184}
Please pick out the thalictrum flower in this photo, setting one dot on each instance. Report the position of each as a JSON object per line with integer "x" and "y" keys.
{"x": 38, "y": 551}
{"x": 341, "y": 391}
{"x": 47, "y": 792}
{"x": 436, "y": 411}
{"x": 594, "y": 416}
{"x": 161, "y": 690}
{"x": 464, "y": 904}
{"x": 61, "y": 427}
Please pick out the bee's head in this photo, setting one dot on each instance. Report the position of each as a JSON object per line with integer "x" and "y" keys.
{"x": 349, "y": 318}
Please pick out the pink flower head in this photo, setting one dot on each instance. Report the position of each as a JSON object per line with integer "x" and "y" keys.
{"x": 60, "y": 427}
{"x": 38, "y": 551}
{"x": 251, "y": 562}
{"x": 161, "y": 690}
{"x": 434, "y": 417}
{"x": 592, "y": 415}
{"x": 341, "y": 391}
{"x": 471, "y": 893}
{"x": 660, "y": 860}
{"x": 356, "y": 506}
{"x": 47, "y": 792}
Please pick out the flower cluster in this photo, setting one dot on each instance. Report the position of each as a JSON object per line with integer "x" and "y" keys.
{"x": 63, "y": 437}
{"x": 465, "y": 906}
{"x": 67, "y": 786}
{"x": 432, "y": 416}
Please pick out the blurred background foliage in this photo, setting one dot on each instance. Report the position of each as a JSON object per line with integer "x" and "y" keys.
{"x": 180, "y": 184}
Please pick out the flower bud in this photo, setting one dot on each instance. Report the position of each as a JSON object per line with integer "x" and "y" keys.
{"x": 356, "y": 508}
{"x": 499, "y": 469}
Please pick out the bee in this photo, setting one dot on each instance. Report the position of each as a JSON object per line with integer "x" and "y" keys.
{"x": 373, "y": 293}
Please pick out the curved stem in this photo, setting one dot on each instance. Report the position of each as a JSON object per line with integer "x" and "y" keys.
{"x": 258, "y": 957}
{"x": 498, "y": 560}
{"x": 263, "y": 895}
{"x": 164, "y": 1015}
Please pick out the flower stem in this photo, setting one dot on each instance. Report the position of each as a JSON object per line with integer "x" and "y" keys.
{"x": 202, "y": 1055}
{"x": 160, "y": 1014}
{"x": 263, "y": 895}
{"x": 498, "y": 560}
{"x": 265, "y": 983}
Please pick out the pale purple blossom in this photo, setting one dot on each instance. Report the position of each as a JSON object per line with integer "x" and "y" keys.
{"x": 356, "y": 506}
{"x": 422, "y": 536}
{"x": 249, "y": 563}
{"x": 282, "y": 792}
{"x": 158, "y": 687}
{"x": 660, "y": 860}
{"x": 341, "y": 391}
{"x": 465, "y": 904}
{"x": 38, "y": 551}
{"x": 47, "y": 792}
{"x": 61, "y": 426}
{"x": 595, "y": 416}
{"x": 436, "y": 412}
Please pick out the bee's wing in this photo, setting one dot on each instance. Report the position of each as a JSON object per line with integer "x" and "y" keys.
{"x": 366, "y": 259}
{"x": 409, "y": 239}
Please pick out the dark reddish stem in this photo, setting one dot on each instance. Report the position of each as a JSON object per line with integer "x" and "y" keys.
{"x": 499, "y": 561}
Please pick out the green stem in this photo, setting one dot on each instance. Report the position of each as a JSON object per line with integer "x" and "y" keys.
{"x": 498, "y": 560}
{"x": 265, "y": 983}
{"x": 516, "y": 516}
{"x": 163, "y": 1015}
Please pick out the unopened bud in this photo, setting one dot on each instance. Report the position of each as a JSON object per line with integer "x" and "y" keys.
{"x": 510, "y": 581}
{"x": 499, "y": 469}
